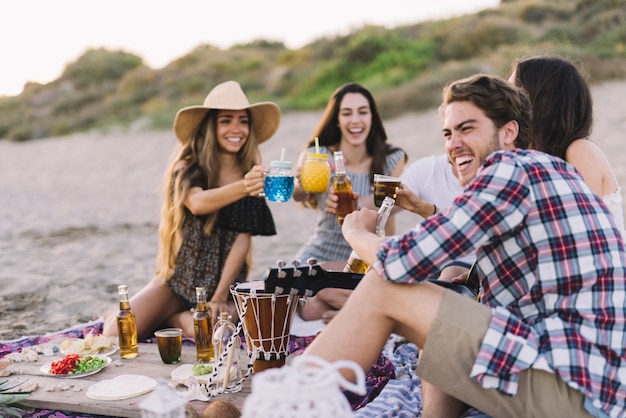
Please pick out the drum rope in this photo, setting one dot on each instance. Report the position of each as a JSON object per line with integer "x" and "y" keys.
{"x": 258, "y": 350}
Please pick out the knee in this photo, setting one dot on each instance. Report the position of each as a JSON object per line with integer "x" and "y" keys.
{"x": 110, "y": 326}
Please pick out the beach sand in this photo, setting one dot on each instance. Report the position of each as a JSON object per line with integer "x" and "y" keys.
{"x": 79, "y": 214}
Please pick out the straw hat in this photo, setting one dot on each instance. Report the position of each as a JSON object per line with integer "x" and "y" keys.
{"x": 228, "y": 96}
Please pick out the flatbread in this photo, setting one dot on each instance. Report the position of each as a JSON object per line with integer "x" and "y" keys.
{"x": 89, "y": 345}
{"x": 121, "y": 387}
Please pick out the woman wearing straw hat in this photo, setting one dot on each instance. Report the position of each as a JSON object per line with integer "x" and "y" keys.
{"x": 211, "y": 209}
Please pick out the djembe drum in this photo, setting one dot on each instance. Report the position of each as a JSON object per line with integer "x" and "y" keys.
{"x": 266, "y": 319}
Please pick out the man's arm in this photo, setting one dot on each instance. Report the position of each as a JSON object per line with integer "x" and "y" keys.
{"x": 359, "y": 230}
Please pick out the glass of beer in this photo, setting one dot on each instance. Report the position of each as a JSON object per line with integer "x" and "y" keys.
{"x": 385, "y": 186}
{"x": 170, "y": 343}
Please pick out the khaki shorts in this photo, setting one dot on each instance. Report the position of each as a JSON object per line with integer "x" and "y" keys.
{"x": 449, "y": 354}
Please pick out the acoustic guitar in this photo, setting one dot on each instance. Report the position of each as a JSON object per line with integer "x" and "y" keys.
{"x": 306, "y": 280}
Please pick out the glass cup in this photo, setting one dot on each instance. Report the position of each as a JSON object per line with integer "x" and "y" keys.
{"x": 278, "y": 186}
{"x": 385, "y": 186}
{"x": 170, "y": 343}
{"x": 315, "y": 174}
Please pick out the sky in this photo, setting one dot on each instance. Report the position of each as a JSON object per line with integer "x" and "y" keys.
{"x": 40, "y": 37}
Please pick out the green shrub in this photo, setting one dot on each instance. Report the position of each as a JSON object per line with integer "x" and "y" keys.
{"x": 474, "y": 37}
{"x": 100, "y": 65}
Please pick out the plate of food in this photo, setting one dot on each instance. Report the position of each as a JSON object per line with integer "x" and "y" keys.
{"x": 75, "y": 365}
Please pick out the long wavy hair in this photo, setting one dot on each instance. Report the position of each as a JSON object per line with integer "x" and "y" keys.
{"x": 329, "y": 133}
{"x": 561, "y": 101}
{"x": 201, "y": 167}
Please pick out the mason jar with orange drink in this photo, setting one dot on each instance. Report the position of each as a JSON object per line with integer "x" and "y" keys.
{"x": 315, "y": 173}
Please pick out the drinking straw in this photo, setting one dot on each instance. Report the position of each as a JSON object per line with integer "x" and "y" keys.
{"x": 282, "y": 154}
{"x": 317, "y": 145}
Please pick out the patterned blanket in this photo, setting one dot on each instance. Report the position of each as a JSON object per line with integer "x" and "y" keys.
{"x": 393, "y": 389}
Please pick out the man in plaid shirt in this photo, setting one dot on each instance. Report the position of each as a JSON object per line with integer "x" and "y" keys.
{"x": 549, "y": 336}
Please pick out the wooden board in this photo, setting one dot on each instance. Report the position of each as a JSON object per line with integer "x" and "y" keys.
{"x": 147, "y": 363}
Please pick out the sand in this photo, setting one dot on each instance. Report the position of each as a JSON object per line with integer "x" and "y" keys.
{"x": 79, "y": 214}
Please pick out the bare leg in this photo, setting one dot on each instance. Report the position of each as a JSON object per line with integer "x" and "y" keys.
{"x": 375, "y": 309}
{"x": 184, "y": 321}
{"x": 438, "y": 404}
{"x": 324, "y": 301}
{"x": 153, "y": 306}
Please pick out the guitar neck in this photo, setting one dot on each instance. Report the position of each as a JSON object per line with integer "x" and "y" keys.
{"x": 310, "y": 279}
{"x": 307, "y": 280}
{"x": 341, "y": 280}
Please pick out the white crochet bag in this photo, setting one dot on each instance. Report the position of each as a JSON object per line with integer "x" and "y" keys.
{"x": 309, "y": 387}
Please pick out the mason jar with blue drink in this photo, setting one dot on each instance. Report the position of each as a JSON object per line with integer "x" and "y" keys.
{"x": 279, "y": 181}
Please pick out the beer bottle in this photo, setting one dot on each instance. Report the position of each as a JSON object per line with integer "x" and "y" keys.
{"x": 355, "y": 263}
{"x": 343, "y": 188}
{"x": 126, "y": 326}
{"x": 203, "y": 328}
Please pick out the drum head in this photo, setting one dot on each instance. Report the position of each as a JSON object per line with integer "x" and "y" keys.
{"x": 247, "y": 287}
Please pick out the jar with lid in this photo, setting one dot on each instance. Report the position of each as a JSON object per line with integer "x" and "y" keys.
{"x": 278, "y": 186}
{"x": 315, "y": 174}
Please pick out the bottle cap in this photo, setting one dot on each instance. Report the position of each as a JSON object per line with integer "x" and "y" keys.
{"x": 280, "y": 164}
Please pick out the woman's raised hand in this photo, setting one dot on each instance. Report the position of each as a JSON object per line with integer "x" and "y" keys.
{"x": 254, "y": 180}
{"x": 332, "y": 199}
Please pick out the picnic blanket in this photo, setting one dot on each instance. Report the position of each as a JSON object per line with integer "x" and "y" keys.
{"x": 77, "y": 331}
{"x": 393, "y": 390}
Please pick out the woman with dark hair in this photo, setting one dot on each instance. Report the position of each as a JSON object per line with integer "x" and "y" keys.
{"x": 352, "y": 124}
{"x": 561, "y": 124}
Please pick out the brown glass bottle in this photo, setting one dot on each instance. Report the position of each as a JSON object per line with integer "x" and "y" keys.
{"x": 355, "y": 263}
{"x": 342, "y": 185}
{"x": 126, "y": 326}
{"x": 203, "y": 328}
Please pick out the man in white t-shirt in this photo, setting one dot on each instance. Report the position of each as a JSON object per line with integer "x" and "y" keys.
{"x": 433, "y": 181}
{"x": 428, "y": 185}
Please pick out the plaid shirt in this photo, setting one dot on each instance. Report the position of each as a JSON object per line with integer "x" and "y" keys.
{"x": 552, "y": 267}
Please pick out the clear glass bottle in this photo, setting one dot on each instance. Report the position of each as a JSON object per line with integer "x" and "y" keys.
{"x": 342, "y": 186}
{"x": 278, "y": 186}
{"x": 355, "y": 263}
{"x": 230, "y": 372}
{"x": 315, "y": 173}
{"x": 203, "y": 328}
{"x": 126, "y": 326}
